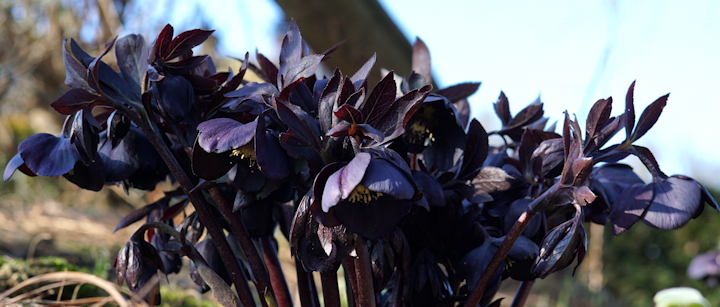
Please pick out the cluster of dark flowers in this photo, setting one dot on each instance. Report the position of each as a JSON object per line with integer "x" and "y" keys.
{"x": 392, "y": 182}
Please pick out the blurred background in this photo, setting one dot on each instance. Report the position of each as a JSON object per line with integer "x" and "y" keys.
{"x": 569, "y": 53}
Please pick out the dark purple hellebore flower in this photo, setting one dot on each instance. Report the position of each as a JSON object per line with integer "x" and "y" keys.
{"x": 669, "y": 203}
{"x": 706, "y": 266}
{"x": 224, "y": 142}
{"x": 368, "y": 195}
{"x": 72, "y": 154}
{"x": 436, "y": 131}
{"x": 134, "y": 161}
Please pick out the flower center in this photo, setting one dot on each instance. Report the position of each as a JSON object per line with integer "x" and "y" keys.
{"x": 419, "y": 133}
{"x": 246, "y": 151}
{"x": 362, "y": 194}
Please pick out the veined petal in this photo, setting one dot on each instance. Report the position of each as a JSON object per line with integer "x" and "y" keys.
{"x": 48, "y": 155}
{"x": 383, "y": 177}
{"x": 224, "y": 134}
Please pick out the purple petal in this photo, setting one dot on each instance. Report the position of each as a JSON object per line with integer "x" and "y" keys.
{"x": 224, "y": 134}
{"x": 675, "y": 203}
{"x": 12, "y": 165}
{"x": 630, "y": 207}
{"x": 341, "y": 183}
{"x": 382, "y": 176}
{"x": 704, "y": 265}
{"x": 48, "y": 155}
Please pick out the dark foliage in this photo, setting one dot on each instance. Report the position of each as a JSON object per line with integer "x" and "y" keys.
{"x": 394, "y": 182}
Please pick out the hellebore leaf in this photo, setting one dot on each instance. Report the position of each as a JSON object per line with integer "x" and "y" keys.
{"x": 74, "y": 100}
{"x": 649, "y": 117}
{"x": 291, "y": 50}
{"x": 76, "y": 66}
{"x": 186, "y": 65}
{"x": 502, "y": 109}
{"x": 184, "y": 42}
{"x": 528, "y": 115}
{"x": 459, "y": 91}
{"x": 269, "y": 70}
{"x": 253, "y": 91}
{"x": 132, "y": 55}
{"x": 305, "y": 68}
{"x": 492, "y": 179}
{"x": 393, "y": 123}
{"x": 302, "y": 96}
{"x": 551, "y": 152}
{"x": 476, "y": 150}
{"x": 379, "y": 101}
{"x": 137, "y": 214}
{"x": 629, "y": 114}
{"x": 161, "y": 48}
{"x": 349, "y": 114}
{"x": 360, "y": 77}
{"x": 597, "y": 119}
{"x": 329, "y": 100}
{"x": 421, "y": 60}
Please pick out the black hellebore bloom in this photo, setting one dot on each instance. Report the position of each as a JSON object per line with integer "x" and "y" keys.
{"x": 72, "y": 154}
{"x": 368, "y": 195}
{"x": 226, "y": 139}
{"x": 668, "y": 203}
{"x": 223, "y": 143}
{"x": 436, "y": 131}
{"x": 133, "y": 161}
{"x": 706, "y": 266}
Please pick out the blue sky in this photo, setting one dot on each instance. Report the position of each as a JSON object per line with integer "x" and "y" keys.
{"x": 571, "y": 53}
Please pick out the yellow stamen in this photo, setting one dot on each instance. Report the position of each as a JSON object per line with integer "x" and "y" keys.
{"x": 246, "y": 151}
{"x": 362, "y": 194}
{"x": 420, "y": 133}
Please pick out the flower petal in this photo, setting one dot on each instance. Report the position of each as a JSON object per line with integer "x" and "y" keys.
{"x": 676, "y": 202}
{"x": 48, "y": 155}
{"x": 224, "y": 134}
{"x": 382, "y": 176}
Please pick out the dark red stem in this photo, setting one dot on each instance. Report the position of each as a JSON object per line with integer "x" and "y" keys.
{"x": 238, "y": 229}
{"x": 277, "y": 278}
{"x": 351, "y": 285}
{"x": 331, "y": 292}
{"x": 497, "y": 259}
{"x": 363, "y": 273}
{"x": 522, "y": 293}
{"x": 201, "y": 206}
{"x": 306, "y": 287}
